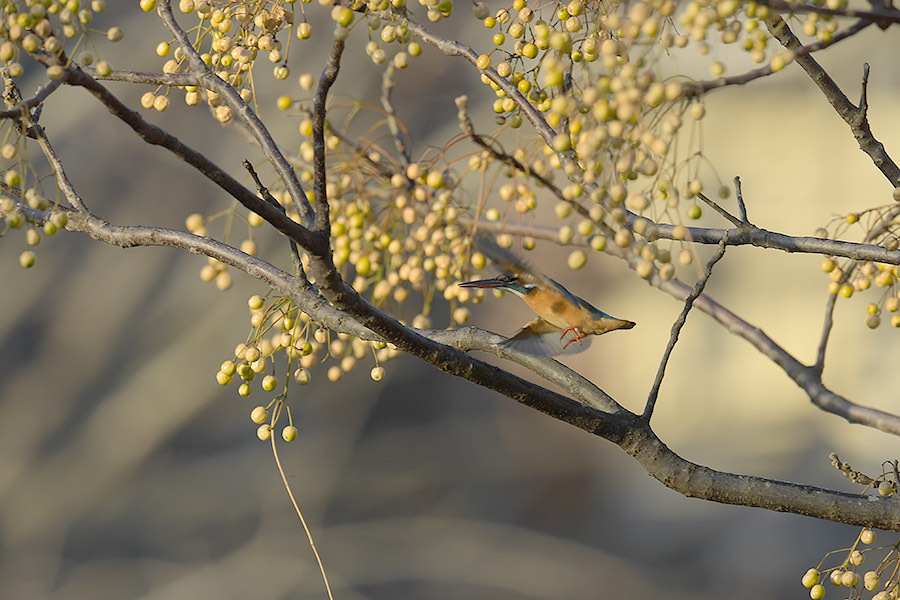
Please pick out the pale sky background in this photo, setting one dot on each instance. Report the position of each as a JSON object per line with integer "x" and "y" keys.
{"x": 127, "y": 472}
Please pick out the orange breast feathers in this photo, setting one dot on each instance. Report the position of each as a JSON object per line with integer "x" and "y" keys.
{"x": 554, "y": 309}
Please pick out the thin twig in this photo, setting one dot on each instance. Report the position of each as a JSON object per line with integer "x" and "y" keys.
{"x": 290, "y": 494}
{"x": 268, "y": 197}
{"x": 742, "y": 208}
{"x": 715, "y": 206}
{"x": 676, "y": 329}
{"x": 827, "y": 324}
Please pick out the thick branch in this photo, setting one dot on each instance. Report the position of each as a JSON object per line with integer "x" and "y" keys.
{"x": 697, "y": 481}
{"x": 623, "y": 428}
{"x": 329, "y": 74}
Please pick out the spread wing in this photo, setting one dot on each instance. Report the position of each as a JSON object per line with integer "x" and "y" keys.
{"x": 507, "y": 261}
{"x": 540, "y": 338}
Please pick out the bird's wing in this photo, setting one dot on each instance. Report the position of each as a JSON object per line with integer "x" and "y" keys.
{"x": 508, "y": 261}
{"x": 540, "y": 338}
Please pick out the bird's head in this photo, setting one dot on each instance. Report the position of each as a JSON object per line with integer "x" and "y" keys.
{"x": 504, "y": 281}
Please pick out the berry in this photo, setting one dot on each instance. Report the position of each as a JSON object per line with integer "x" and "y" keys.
{"x": 259, "y": 414}
{"x": 811, "y": 578}
{"x": 289, "y": 433}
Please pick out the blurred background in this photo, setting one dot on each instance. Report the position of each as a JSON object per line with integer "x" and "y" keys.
{"x": 127, "y": 472}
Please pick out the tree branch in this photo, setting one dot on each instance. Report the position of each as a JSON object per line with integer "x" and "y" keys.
{"x": 159, "y": 137}
{"x": 701, "y": 87}
{"x": 326, "y": 80}
{"x": 854, "y": 116}
{"x": 677, "y": 326}
{"x": 209, "y": 80}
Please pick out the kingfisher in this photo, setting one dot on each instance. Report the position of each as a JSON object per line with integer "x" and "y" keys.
{"x": 560, "y": 312}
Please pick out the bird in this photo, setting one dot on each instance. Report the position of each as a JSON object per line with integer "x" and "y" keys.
{"x": 560, "y": 312}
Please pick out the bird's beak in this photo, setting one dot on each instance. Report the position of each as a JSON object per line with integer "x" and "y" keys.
{"x": 484, "y": 283}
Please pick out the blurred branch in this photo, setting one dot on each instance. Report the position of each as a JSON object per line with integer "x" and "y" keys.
{"x": 881, "y": 16}
{"x": 699, "y": 88}
{"x": 854, "y": 116}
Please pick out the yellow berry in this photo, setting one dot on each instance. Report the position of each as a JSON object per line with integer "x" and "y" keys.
{"x": 483, "y": 62}
{"x": 148, "y": 5}
{"x": 377, "y": 373}
{"x": 259, "y": 414}
{"x": 811, "y": 578}
{"x": 623, "y": 238}
{"x": 301, "y": 376}
{"x": 817, "y": 592}
{"x": 828, "y": 265}
{"x": 289, "y": 433}
{"x": 269, "y": 383}
{"x": 871, "y": 581}
{"x": 868, "y": 536}
{"x": 264, "y": 432}
{"x": 27, "y": 259}
{"x": 223, "y": 281}
{"x": 577, "y": 259}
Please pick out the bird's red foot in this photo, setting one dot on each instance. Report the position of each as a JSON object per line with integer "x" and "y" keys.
{"x": 578, "y": 336}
